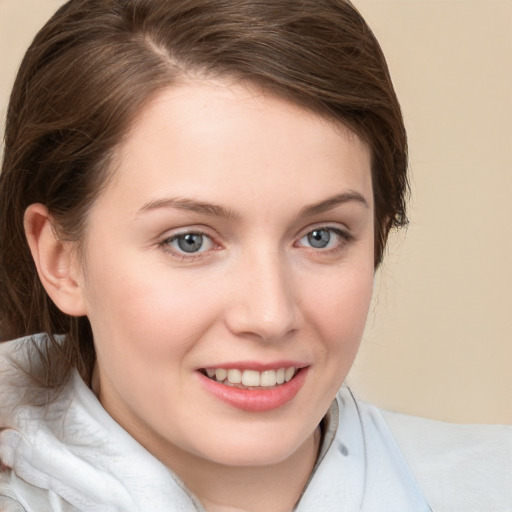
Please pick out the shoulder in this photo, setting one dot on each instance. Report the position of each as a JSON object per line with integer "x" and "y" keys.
{"x": 458, "y": 467}
{"x": 11, "y": 378}
{"x": 16, "y": 362}
{"x": 9, "y": 349}
{"x": 17, "y": 495}
{"x": 8, "y": 499}
{"x": 20, "y": 351}
{"x": 10, "y": 505}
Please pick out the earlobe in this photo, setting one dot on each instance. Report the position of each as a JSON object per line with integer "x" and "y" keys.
{"x": 55, "y": 261}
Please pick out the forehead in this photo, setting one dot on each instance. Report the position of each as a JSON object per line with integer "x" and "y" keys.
{"x": 213, "y": 137}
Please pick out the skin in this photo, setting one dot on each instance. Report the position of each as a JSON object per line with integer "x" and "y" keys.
{"x": 257, "y": 290}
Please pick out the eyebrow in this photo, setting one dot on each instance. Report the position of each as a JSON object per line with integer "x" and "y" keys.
{"x": 190, "y": 205}
{"x": 216, "y": 210}
{"x": 333, "y": 202}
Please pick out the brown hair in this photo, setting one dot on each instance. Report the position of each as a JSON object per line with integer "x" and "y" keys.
{"x": 96, "y": 62}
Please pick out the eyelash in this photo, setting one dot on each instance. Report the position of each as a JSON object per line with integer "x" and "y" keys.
{"x": 344, "y": 239}
{"x": 184, "y": 256}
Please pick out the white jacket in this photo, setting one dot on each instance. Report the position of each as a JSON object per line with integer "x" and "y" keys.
{"x": 74, "y": 457}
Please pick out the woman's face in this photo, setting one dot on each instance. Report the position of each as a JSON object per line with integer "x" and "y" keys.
{"x": 235, "y": 241}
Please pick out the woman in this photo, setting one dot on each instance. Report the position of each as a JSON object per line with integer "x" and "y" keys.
{"x": 195, "y": 196}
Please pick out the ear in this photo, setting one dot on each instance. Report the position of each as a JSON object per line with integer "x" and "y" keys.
{"x": 56, "y": 261}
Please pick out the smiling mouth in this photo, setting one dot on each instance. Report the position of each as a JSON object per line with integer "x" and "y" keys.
{"x": 251, "y": 379}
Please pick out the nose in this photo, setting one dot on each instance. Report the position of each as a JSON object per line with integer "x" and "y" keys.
{"x": 264, "y": 302}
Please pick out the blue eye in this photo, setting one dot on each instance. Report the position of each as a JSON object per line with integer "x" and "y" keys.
{"x": 319, "y": 238}
{"x": 324, "y": 238}
{"x": 190, "y": 243}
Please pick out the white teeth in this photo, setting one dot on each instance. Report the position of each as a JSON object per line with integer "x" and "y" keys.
{"x": 234, "y": 376}
{"x": 252, "y": 378}
{"x": 288, "y": 374}
{"x": 268, "y": 378}
{"x": 220, "y": 374}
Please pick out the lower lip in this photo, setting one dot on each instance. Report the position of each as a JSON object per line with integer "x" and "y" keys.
{"x": 256, "y": 400}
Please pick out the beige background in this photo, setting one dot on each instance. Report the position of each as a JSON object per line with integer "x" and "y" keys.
{"x": 439, "y": 336}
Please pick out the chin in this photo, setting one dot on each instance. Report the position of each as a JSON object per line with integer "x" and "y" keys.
{"x": 264, "y": 449}
{"x": 248, "y": 456}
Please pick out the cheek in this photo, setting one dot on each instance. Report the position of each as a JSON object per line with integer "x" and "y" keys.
{"x": 336, "y": 317}
{"x": 341, "y": 308}
{"x": 145, "y": 308}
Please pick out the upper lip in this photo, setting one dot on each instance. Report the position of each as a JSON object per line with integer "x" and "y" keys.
{"x": 255, "y": 365}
